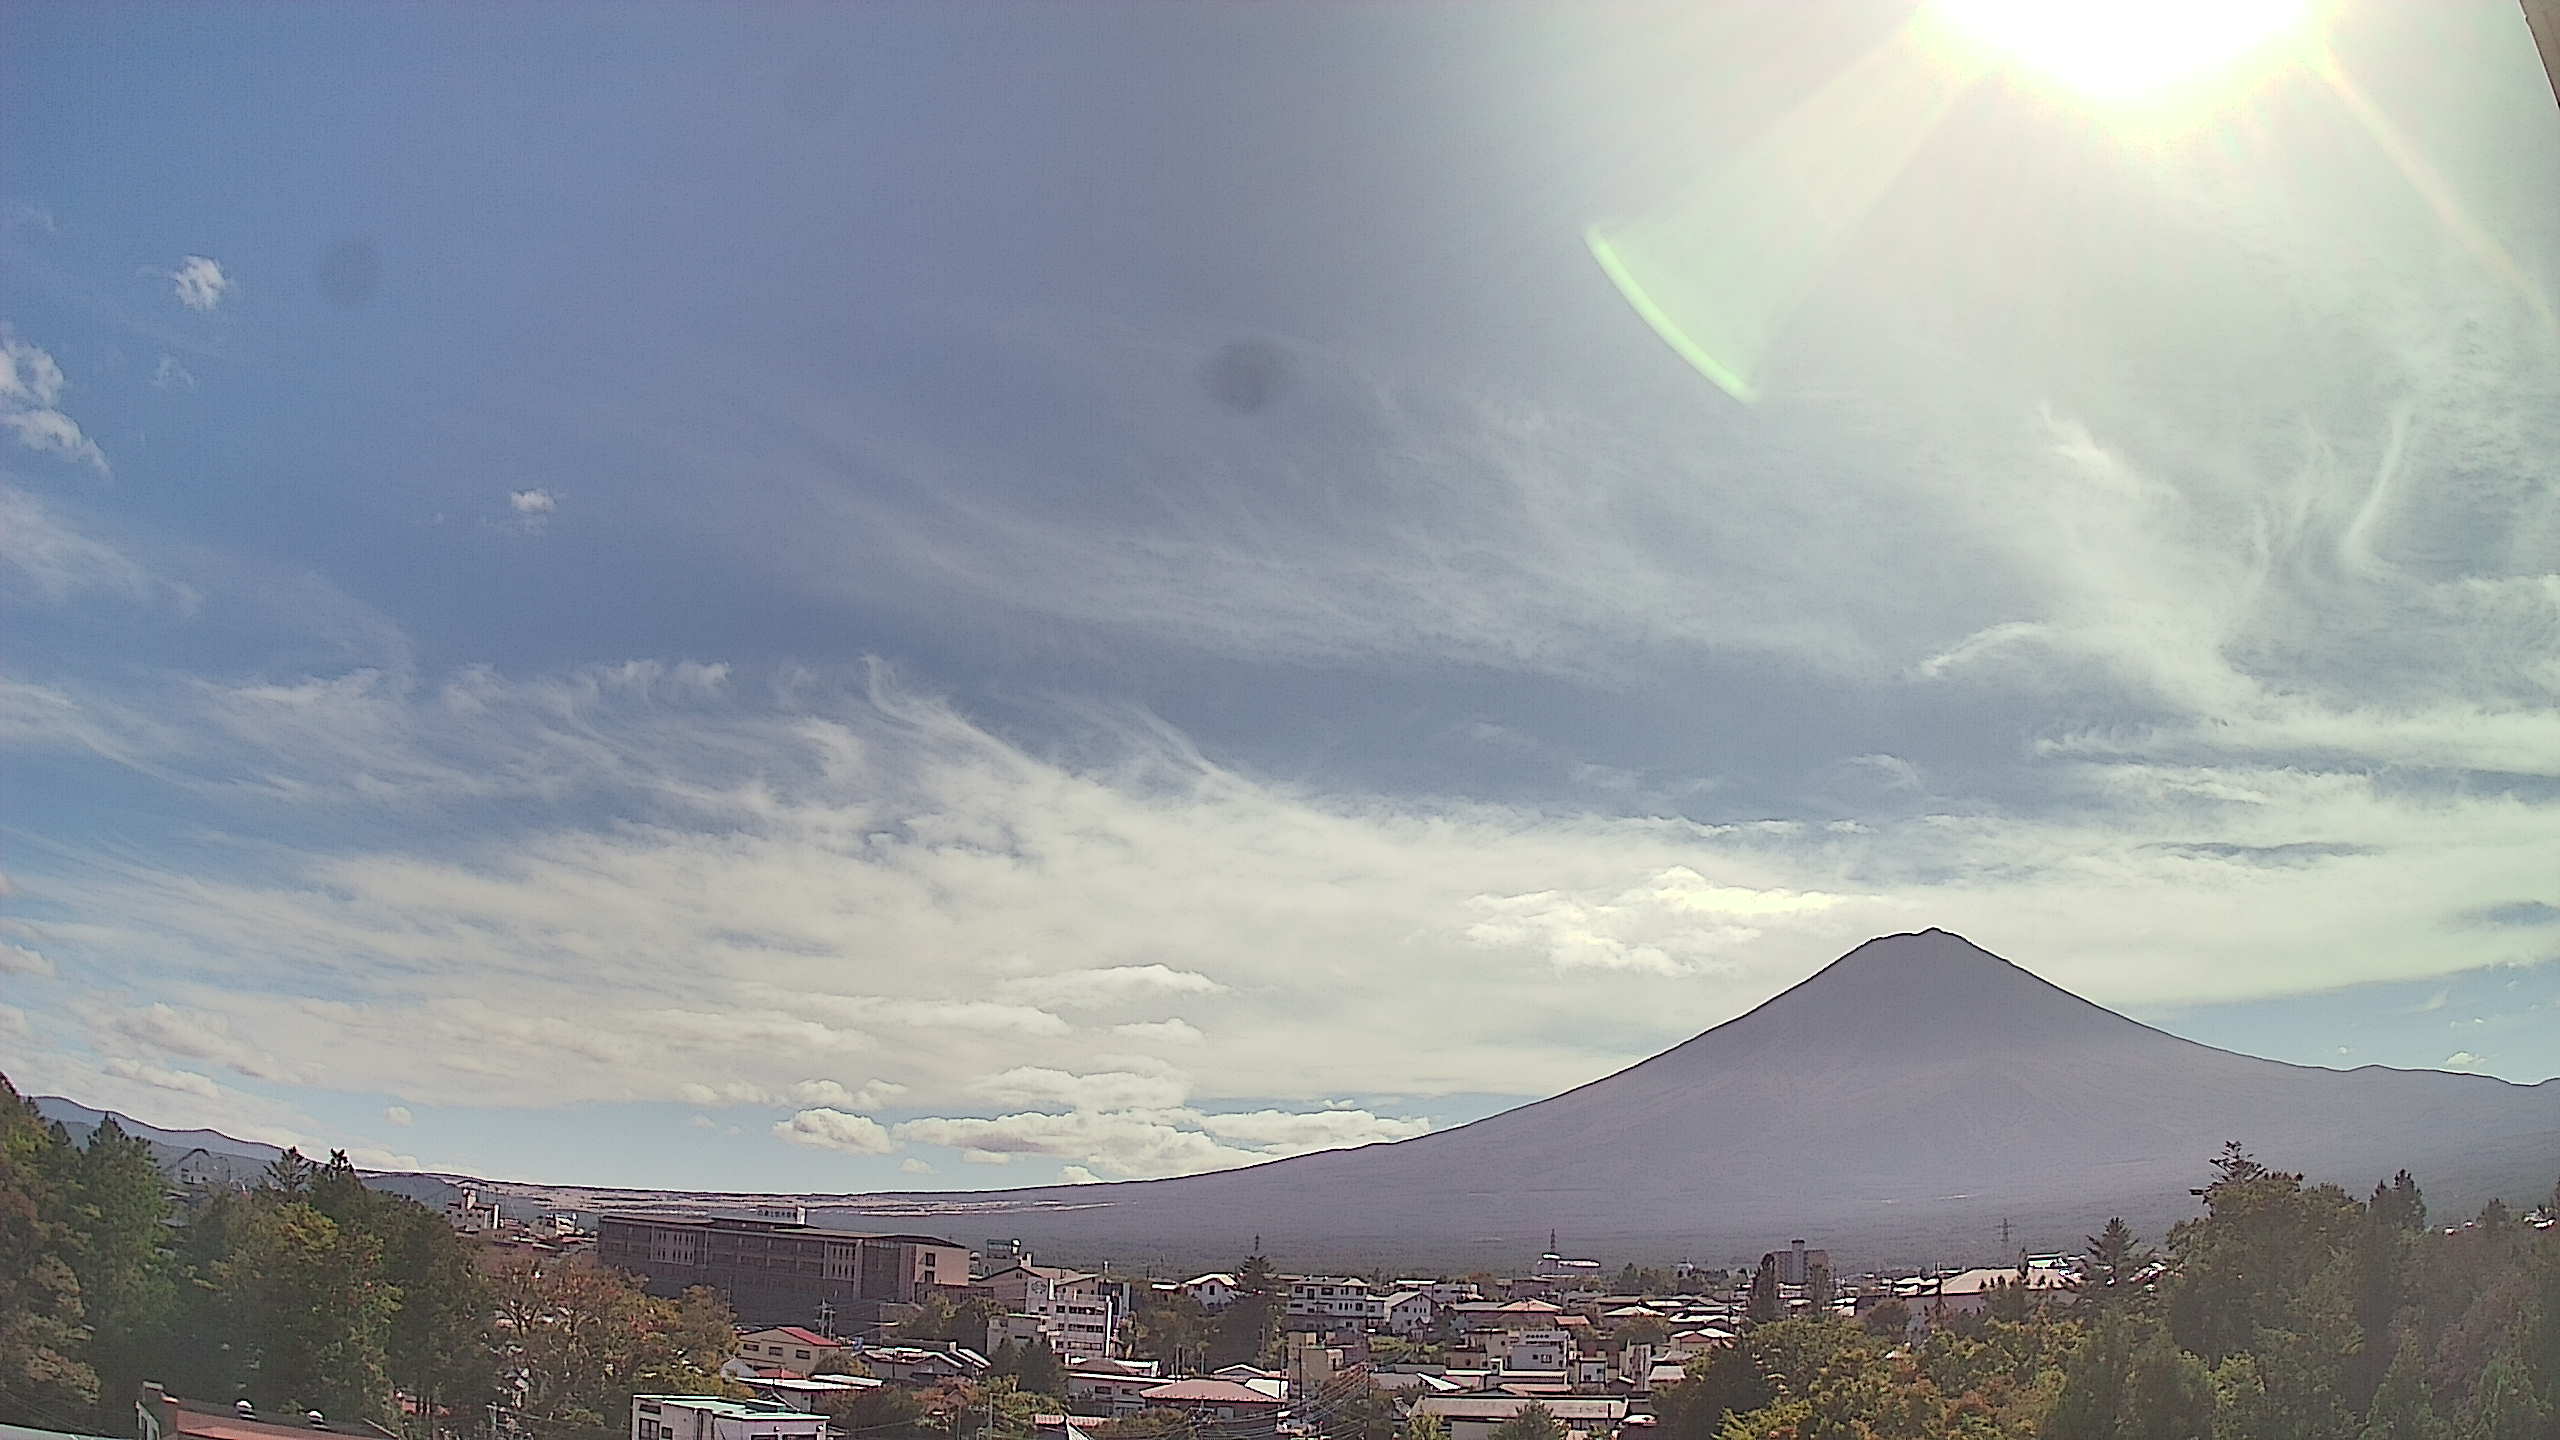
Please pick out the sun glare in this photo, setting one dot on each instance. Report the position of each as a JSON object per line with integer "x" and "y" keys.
{"x": 2124, "y": 49}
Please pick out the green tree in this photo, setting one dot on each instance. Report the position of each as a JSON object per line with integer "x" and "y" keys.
{"x": 314, "y": 1311}
{"x": 2504, "y": 1405}
{"x": 1766, "y": 1304}
{"x": 1248, "y": 1331}
{"x": 119, "y": 1230}
{"x": 1532, "y": 1421}
{"x": 1890, "y": 1320}
{"x": 2399, "y": 1203}
{"x": 45, "y": 1380}
{"x": 882, "y": 1412}
{"x": 289, "y": 1175}
{"x": 1170, "y": 1327}
{"x": 439, "y": 1346}
{"x": 2114, "y": 1255}
{"x": 584, "y": 1340}
{"x": 1721, "y": 1383}
{"x": 2402, "y": 1409}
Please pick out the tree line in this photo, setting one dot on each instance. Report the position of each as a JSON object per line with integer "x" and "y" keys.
{"x": 2287, "y": 1311}
{"x": 310, "y": 1291}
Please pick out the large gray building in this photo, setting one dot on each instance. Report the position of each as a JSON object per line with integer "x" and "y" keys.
{"x": 781, "y": 1271}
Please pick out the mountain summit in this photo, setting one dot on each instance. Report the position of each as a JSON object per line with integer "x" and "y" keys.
{"x": 1901, "y": 1103}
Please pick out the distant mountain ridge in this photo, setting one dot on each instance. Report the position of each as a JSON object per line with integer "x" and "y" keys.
{"x": 1902, "y": 1102}
{"x": 213, "y": 1153}
{"x": 1899, "y": 1105}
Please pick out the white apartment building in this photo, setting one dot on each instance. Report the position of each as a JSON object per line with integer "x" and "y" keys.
{"x": 708, "y": 1417}
{"x": 1331, "y": 1297}
{"x": 1073, "y": 1309}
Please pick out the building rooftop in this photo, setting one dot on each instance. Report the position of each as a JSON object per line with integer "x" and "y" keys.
{"x": 1206, "y": 1392}
{"x": 748, "y": 1223}
{"x": 732, "y": 1409}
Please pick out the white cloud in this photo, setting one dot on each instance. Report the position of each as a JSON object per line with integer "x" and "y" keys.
{"x": 199, "y": 282}
{"x": 836, "y": 1130}
{"x": 915, "y": 1165}
{"x": 870, "y": 1095}
{"x": 2463, "y": 1060}
{"x": 532, "y": 502}
{"x": 170, "y": 375}
{"x": 195, "y": 1035}
{"x": 703, "y": 1122}
{"x": 13, "y": 1023}
{"x": 1078, "y": 1175}
{"x": 782, "y": 881}
{"x": 399, "y": 1115}
{"x": 1176, "y": 1031}
{"x": 1111, "y": 985}
{"x": 1675, "y": 924}
{"x": 19, "y": 960}
{"x": 162, "y": 1077}
{"x": 31, "y": 387}
{"x": 1142, "y": 1144}
{"x": 1102, "y": 1090}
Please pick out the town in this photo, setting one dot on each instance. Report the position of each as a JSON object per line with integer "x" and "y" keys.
{"x": 340, "y": 1308}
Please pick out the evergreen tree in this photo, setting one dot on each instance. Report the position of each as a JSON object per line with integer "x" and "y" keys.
{"x": 1767, "y": 1304}
{"x": 289, "y": 1175}
{"x": 2399, "y": 1203}
{"x": 1719, "y": 1384}
{"x": 1037, "y": 1372}
{"x": 316, "y": 1313}
{"x": 119, "y": 1214}
{"x": 2504, "y": 1405}
{"x": 45, "y": 1379}
{"x": 2114, "y": 1256}
{"x": 2401, "y": 1408}
{"x": 1249, "y": 1329}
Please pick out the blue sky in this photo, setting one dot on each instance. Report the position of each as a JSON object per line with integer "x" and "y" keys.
{"x": 833, "y": 597}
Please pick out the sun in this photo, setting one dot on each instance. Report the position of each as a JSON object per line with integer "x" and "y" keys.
{"x": 2125, "y": 49}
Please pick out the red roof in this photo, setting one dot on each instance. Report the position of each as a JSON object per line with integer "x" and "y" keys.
{"x": 805, "y": 1337}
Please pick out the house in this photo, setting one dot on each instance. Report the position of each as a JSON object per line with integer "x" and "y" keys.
{"x": 1214, "y": 1291}
{"x": 1474, "y": 1417}
{"x": 792, "y": 1348}
{"x": 1969, "y": 1292}
{"x": 1092, "y": 1390}
{"x": 1405, "y": 1312}
{"x": 1234, "y": 1409}
{"x": 1078, "y": 1313}
{"x": 924, "y": 1363}
{"x": 1333, "y": 1297}
{"x": 159, "y": 1415}
{"x": 709, "y": 1417}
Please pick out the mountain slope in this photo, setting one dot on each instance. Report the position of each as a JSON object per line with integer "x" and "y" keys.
{"x": 207, "y": 1153}
{"x": 1902, "y": 1102}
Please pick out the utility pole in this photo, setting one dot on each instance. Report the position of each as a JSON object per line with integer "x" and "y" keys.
{"x": 2004, "y": 1234}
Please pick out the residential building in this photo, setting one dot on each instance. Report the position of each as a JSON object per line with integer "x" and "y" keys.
{"x": 1079, "y": 1313}
{"x": 924, "y": 1362}
{"x": 777, "y": 1271}
{"x": 1403, "y": 1312}
{"x": 792, "y": 1348}
{"x": 159, "y": 1415}
{"x": 1235, "y": 1409}
{"x": 1332, "y": 1297}
{"x": 1474, "y": 1417}
{"x": 710, "y": 1417}
{"x": 1104, "y": 1388}
{"x": 1214, "y": 1292}
{"x": 1969, "y": 1292}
